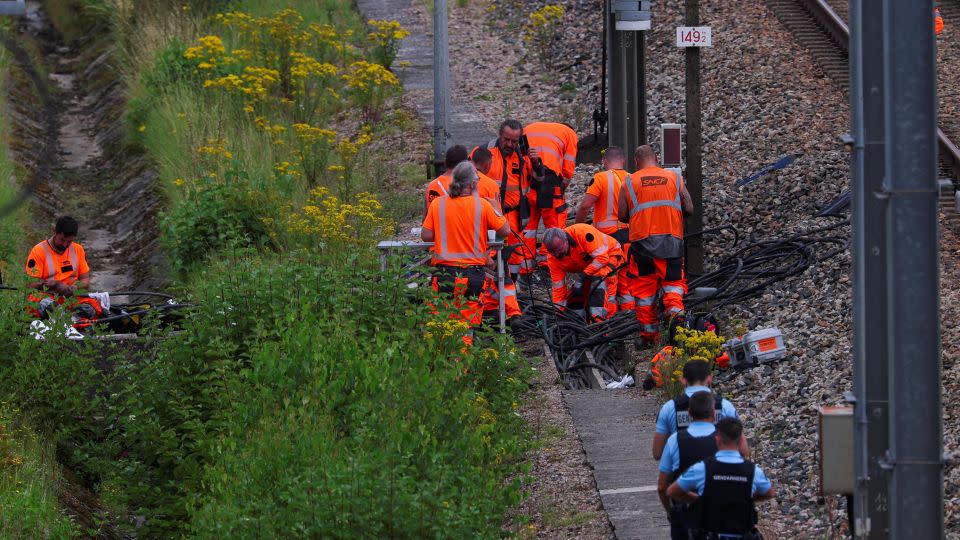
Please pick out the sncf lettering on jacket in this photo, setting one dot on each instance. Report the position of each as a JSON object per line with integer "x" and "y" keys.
{"x": 649, "y": 181}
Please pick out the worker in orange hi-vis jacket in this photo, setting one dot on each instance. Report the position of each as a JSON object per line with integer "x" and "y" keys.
{"x": 488, "y": 188}
{"x": 581, "y": 248}
{"x": 511, "y": 170}
{"x": 457, "y": 224}
{"x": 58, "y": 266}
{"x": 937, "y": 21}
{"x": 603, "y": 195}
{"x": 654, "y": 200}
{"x": 553, "y": 154}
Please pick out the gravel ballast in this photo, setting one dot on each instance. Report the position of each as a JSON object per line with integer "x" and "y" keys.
{"x": 763, "y": 97}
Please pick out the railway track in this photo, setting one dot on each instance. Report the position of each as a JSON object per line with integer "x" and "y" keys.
{"x": 824, "y": 33}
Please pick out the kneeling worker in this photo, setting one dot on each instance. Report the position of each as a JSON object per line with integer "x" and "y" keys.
{"x": 457, "y": 224}
{"x": 725, "y": 486}
{"x": 59, "y": 266}
{"x": 581, "y": 248}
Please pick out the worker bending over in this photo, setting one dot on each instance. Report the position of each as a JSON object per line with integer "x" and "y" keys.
{"x": 603, "y": 196}
{"x": 725, "y": 486}
{"x": 581, "y": 248}
{"x": 553, "y": 155}
{"x": 653, "y": 201}
{"x": 457, "y": 223}
{"x": 511, "y": 170}
{"x": 58, "y": 266}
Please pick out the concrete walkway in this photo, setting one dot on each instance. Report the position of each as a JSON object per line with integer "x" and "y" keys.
{"x": 417, "y": 50}
{"x": 616, "y": 428}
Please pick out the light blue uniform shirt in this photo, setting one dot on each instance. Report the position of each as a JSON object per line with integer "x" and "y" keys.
{"x": 667, "y": 419}
{"x": 695, "y": 476}
{"x": 670, "y": 460}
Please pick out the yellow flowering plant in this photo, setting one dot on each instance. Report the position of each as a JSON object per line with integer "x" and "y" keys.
{"x": 326, "y": 222}
{"x": 542, "y": 31}
{"x": 690, "y": 345}
{"x": 386, "y": 37}
{"x": 369, "y": 85}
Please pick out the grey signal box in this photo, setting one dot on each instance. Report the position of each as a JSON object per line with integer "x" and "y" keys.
{"x": 12, "y": 7}
{"x": 631, "y": 16}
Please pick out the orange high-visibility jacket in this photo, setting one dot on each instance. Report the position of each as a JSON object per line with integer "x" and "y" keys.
{"x": 440, "y": 186}
{"x": 557, "y": 144}
{"x": 511, "y": 175}
{"x": 937, "y": 21}
{"x": 606, "y": 186}
{"x": 460, "y": 226}
{"x": 591, "y": 252}
{"x": 44, "y": 263}
{"x": 653, "y": 197}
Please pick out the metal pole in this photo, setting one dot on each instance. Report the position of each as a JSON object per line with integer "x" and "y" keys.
{"x": 615, "y": 73}
{"x": 694, "y": 172}
{"x": 441, "y": 83}
{"x": 501, "y": 293}
{"x": 641, "y": 126}
{"x": 913, "y": 320}
{"x": 870, "y": 303}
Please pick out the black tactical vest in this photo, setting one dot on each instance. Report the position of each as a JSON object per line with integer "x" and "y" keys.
{"x": 692, "y": 449}
{"x": 681, "y": 405}
{"x": 727, "y": 500}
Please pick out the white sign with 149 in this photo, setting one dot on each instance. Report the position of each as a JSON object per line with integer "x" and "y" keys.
{"x": 694, "y": 36}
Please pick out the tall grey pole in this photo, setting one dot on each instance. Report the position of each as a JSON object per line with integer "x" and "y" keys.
{"x": 913, "y": 320}
{"x": 441, "y": 83}
{"x": 869, "y": 271}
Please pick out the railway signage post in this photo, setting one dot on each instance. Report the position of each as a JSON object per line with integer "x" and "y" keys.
{"x": 692, "y": 37}
{"x": 626, "y": 22}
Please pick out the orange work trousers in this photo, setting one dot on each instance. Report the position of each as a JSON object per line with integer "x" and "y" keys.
{"x": 552, "y": 217}
{"x": 657, "y": 276}
{"x": 464, "y": 287}
{"x": 491, "y": 296}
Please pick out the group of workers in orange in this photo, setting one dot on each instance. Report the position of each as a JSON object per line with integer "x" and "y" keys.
{"x": 629, "y": 258}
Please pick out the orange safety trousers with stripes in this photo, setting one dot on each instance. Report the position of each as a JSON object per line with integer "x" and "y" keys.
{"x": 657, "y": 276}
{"x": 491, "y": 296}
{"x": 626, "y": 283}
{"x": 464, "y": 297}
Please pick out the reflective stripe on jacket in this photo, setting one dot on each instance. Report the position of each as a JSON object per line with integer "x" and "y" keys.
{"x": 557, "y": 145}
{"x": 653, "y": 198}
{"x": 591, "y": 252}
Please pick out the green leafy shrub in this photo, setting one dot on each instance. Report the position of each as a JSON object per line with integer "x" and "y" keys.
{"x": 304, "y": 400}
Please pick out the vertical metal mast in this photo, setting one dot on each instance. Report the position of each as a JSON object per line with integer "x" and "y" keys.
{"x": 913, "y": 320}
{"x": 441, "y": 82}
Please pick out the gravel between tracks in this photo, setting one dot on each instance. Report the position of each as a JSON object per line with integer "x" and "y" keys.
{"x": 763, "y": 97}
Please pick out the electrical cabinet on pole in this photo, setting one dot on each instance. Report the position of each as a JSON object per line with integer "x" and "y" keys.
{"x": 626, "y": 24}
{"x": 441, "y": 84}
{"x": 870, "y": 302}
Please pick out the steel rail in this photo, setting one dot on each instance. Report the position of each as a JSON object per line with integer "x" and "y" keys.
{"x": 838, "y": 32}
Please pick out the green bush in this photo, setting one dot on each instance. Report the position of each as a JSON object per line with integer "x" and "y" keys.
{"x": 311, "y": 401}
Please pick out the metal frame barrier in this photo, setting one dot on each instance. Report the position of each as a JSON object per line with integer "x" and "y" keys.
{"x": 387, "y": 246}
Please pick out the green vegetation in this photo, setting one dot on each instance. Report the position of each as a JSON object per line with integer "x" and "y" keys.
{"x": 309, "y": 395}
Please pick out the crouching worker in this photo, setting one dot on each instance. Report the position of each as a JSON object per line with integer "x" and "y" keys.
{"x": 58, "y": 268}
{"x": 725, "y": 487}
{"x": 581, "y": 248}
{"x": 457, "y": 224}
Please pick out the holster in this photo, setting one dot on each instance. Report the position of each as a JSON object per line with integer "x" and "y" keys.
{"x": 547, "y": 190}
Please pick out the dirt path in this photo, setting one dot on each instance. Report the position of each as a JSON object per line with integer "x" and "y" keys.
{"x": 92, "y": 177}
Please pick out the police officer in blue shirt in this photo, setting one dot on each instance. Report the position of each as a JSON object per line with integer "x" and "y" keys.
{"x": 685, "y": 448}
{"x": 726, "y": 487}
{"x": 674, "y": 415}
